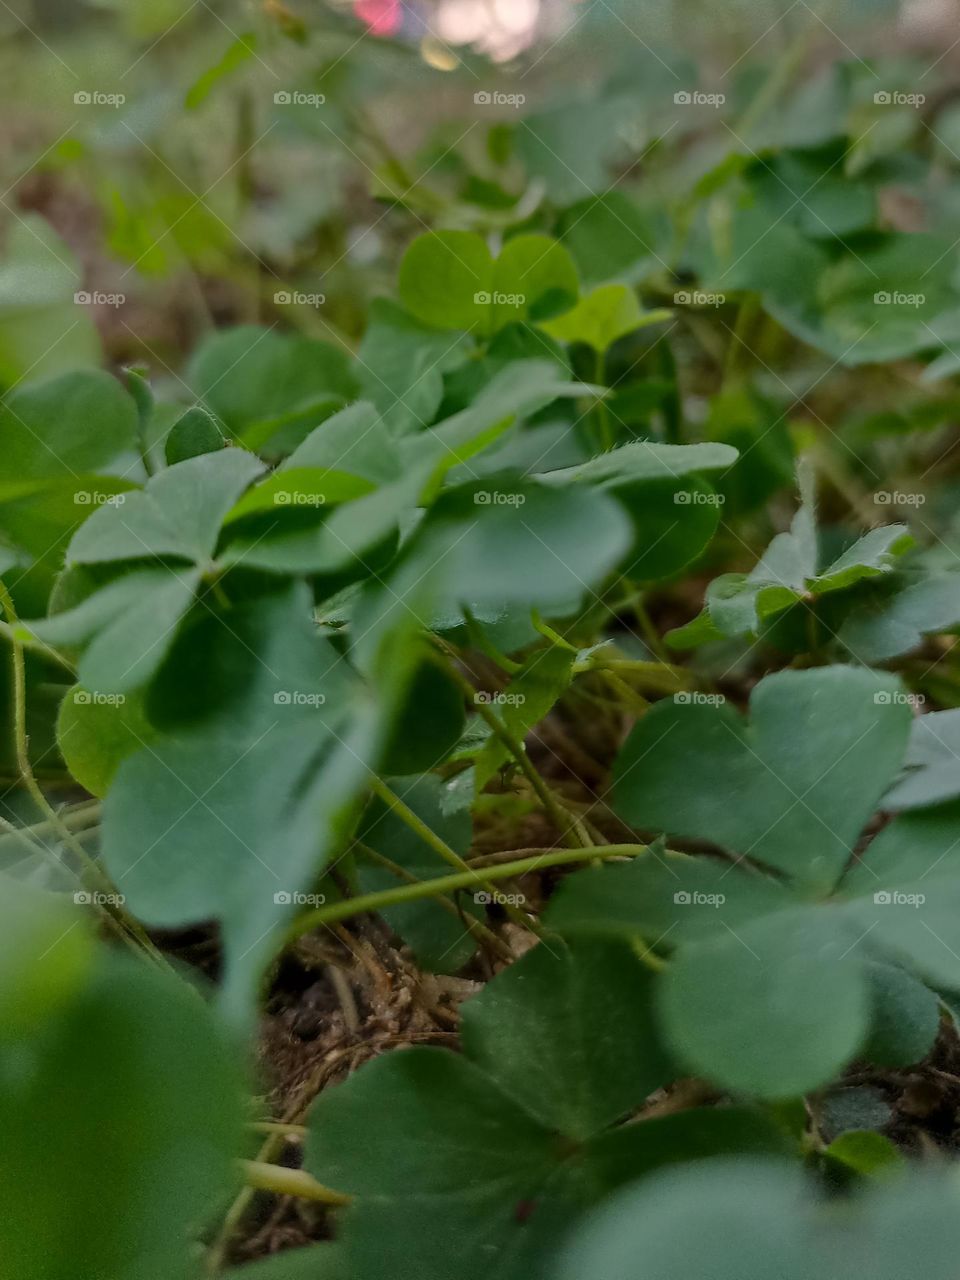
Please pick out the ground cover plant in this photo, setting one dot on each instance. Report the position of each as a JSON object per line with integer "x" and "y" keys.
{"x": 479, "y": 601}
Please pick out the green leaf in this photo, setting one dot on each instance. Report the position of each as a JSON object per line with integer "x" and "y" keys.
{"x": 415, "y": 1128}
{"x": 537, "y": 270}
{"x": 441, "y": 276}
{"x": 906, "y": 1018}
{"x": 402, "y": 363}
{"x": 740, "y": 1220}
{"x": 354, "y": 441}
{"x": 450, "y": 280}
{"x": 643, "y": 460}
{"x": 149, "y": 1176}
{"x": 424, "y": 1126}
{"x": 129, "y": 624}
{"x": 610, "y": 238}
{"x": 316, "y": 1262}
{"x": 125, "y": 629}
{"x": 930, "y": 768}
{"x": 568, "y": 1033}
{"x": 602, "y": 317}
{"x": 269, "y": 388}
{"x": 46, "y": 955}
{"x": 664, "y": 898}
{"x": 789, "y": 573}
{"x": 540, "y": 546}
{"x": 237, "y": 54}
{"x": 43, "y": 332}
{"x": 231, "y": 813}
{"x": 428, "y": 726}
{"x": 890, "y": 625}
{"x": 295, "y": 489}
{"x": 866, "y": 1153}
{"x": 194, "y": 433}
{"x": 179, "y": 513}
{"x": 833, "y": 736}
{"x": 542, "y": 679}
{"x": 63, "y": 427}
{"x": 872, "y": 304}
{"x": 418, "y": 466}
{"x": 801, "y": 1009}
{"x": 96, "y": 733}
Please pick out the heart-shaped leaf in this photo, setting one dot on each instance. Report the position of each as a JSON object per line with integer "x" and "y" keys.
{"x": 450, "y": 280}
{"x": 792, "y": 789}
{"x": 512, "y": 1162}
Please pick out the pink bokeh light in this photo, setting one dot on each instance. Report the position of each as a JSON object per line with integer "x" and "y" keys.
{"x": 382, "y": 17}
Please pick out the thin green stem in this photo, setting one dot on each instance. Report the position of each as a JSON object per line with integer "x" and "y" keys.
{"x": 475, "y": 927}
{"x": 435, "y": 842}
{"x": 337, "y": 911}
{"x": 289, "y": 1182}
{"x": 568, "y": 825}
{"x": 92, "y": 875}
{"x": 27, "y": 641}
{"x": 415, "y": 823}
{"x": 75, "y": 819}
{"x": 650, "y": 633}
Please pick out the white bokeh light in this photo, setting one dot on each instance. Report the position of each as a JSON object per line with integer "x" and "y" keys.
{"x": 500, "y": 28}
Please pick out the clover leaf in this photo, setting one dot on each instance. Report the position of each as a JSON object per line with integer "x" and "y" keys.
{"x": 788, "y": 793}
{"x": 512, "y": 1137}
{"x": 162, "y": 1161}
{"x": 750, "y": 1219}
{"x": 127, "y": 625}
{"x": 790, "y": 573}
{"x": 450, "y": 280}
{"x": 268, "y": 389}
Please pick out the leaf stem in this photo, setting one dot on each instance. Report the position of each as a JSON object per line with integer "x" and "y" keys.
{"x": 289, "y": 1182}
{"x": 432, "y": 840}
{"x": 27, "y": 641}
{"x": 475, "y": 927}
{"x": 570, "y": 828}
{"x": 460, "y": 880}
{"x": 92, "y": 875}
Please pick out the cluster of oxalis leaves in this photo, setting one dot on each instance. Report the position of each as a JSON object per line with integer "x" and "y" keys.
{"x": 258, "y": 595}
